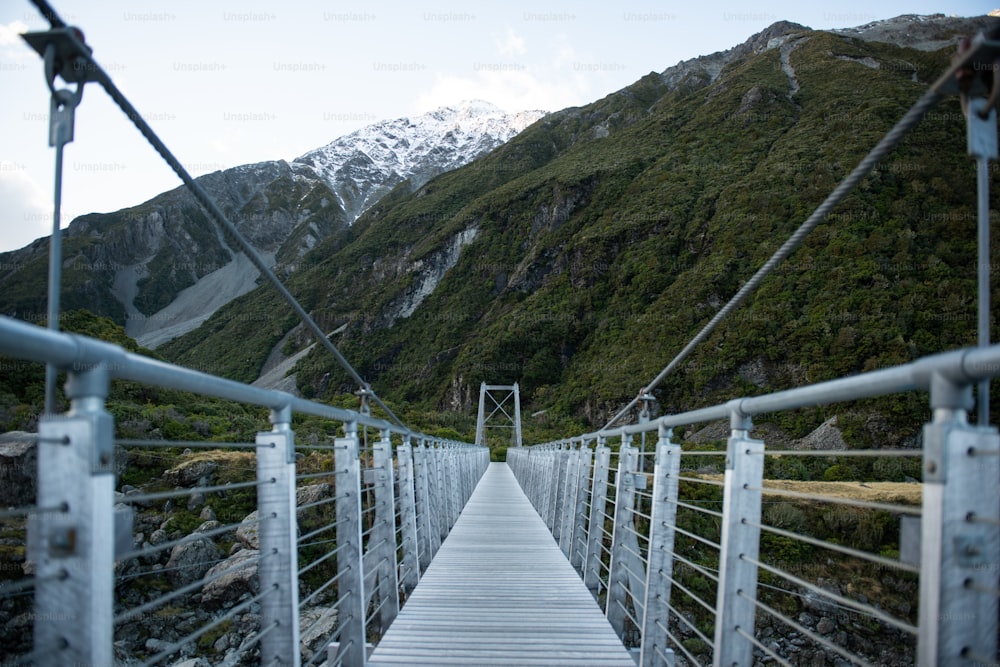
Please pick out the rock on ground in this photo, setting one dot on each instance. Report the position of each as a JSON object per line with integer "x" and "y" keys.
{"x": 317, "y": 624}
{"x": 190, "y": 559}
{"x": 228, "y": 588}
{"x": 248, "y": 534}
{"x": 826, "y": 436}
{"x": 189, "y": 473}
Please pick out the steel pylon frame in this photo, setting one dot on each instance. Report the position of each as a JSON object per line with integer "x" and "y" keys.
{"x": 511, "y": 422}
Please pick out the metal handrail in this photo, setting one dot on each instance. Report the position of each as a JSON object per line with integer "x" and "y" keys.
{"x": 965, "y": 366}
{"x": 73, "y": 352}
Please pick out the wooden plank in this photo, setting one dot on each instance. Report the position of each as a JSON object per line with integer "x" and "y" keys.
{"x": 500, "y": 592}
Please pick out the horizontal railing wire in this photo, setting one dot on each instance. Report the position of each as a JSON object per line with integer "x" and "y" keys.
{"x": 325, "y": 557}
{"x": 852, "y": 502}
{"x": 184, "y": 444}
{"x": 861, "y": 607}
{"x": 847, "y": 551}
{"x": 194, "y": 490}
{"x": 22, "y": 512}
{"x": 170, "y": 544}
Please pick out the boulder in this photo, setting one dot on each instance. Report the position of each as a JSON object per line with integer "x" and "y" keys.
{"x": 190, "y": 559}
{"x": 227, "y": 589}
{"x": 318, "y": 624}
{"x": 189, "y": 473}
{"x": 304, "y": 495}
{"x": 154, "y": 645}
{"x": 820, "y": 605}
{"x": 248, "y": 534}
{"x": 197, "y": 499}
{"x": 193, "y": 662}
{"x": 207, "y": 526}
{"x": 826, "y": 436}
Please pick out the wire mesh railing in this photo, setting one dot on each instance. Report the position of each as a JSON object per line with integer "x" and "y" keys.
{"x": 265, "y": 552}
{"x": 729, "y": 552}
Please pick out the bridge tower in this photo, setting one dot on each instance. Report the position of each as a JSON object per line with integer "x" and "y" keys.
{"x": 499, "y": 409}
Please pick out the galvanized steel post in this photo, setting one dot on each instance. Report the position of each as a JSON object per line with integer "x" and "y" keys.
{"x": 539, "y": 474}
{"x": 384, "y": 554}
{"x": 531, "y": 472}
{"x": 72, "y": 540}
{"x": 278, "y": 569}
{"x": 408, "y": 518}
{"x": 598, "y": 505}
{"x": 960, "y": 538}
{"x": 578, "y": 550}
{"x": 439, "y": 490}
{"x": 453, "y": 485}
{"x": 556, "y": 479}
{"x": 735, "y": 610}
{"x": 618, "y": 576}
{"x": 567, "y": 517}
{"x": 661, "y": 548}
{"x": 350, "y": 558}
{"x": 427, "y": 535}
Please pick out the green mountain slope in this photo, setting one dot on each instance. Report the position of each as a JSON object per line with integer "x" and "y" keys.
{"x": 130, "y": 264}
{"x": 581, "y": 256}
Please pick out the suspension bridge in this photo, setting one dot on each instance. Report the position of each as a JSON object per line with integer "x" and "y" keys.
{"x": 616, "y": 547}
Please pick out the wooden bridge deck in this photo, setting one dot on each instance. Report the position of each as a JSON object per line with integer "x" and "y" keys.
{"x": 500, "y": 592}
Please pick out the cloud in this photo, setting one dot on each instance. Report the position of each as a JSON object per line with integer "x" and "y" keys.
{"x": 25, "y": 209}
{"x": 11, "y": 32}
{"x": 509, "y": 90}
{"x": 511, "y": 44}
{"x": 14, "y": 51}
{"x": 550, "y": 80}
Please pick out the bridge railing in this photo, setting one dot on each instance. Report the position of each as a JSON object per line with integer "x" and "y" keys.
{"x": 710, "y": 552}
{"x": 341, "y": 527}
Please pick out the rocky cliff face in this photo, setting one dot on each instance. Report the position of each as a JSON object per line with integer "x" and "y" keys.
{"x": 704, "y": 70}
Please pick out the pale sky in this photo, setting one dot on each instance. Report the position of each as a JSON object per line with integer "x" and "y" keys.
{"x": 226, "y": 83}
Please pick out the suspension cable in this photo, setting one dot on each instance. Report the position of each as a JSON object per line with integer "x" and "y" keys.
{"x": 96, "y": 73}
{"x": 45, "y": 9}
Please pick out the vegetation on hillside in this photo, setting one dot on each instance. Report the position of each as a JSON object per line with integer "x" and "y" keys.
{"x": 607, "y": 235}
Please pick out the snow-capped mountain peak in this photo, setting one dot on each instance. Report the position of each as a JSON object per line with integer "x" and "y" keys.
{"x": 363, "y": 166}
